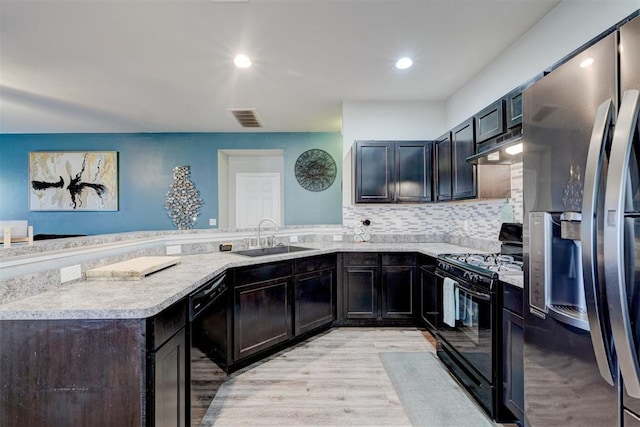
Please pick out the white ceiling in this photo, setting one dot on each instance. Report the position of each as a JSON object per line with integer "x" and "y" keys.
{"x": 167, "y": 66}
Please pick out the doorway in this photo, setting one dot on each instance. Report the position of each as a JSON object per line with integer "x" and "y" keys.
{"x": 257, "y": 197}
{"x": 250, "y": 186}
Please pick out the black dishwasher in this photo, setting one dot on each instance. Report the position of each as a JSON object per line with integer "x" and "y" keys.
{"x": 210, "y": 316}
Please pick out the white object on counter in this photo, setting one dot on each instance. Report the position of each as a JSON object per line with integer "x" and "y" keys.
{"x": 450, "y": 302}
{"x": 133, "y": 269}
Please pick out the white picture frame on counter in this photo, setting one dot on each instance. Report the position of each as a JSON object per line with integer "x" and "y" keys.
{"x": 73, "y": 181}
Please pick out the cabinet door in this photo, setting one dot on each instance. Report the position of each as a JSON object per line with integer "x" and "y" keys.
{"x": 398, "y": 285}
{"x": 360, "y": 292}
{"x": 514, "y": 109}
{"x": 314, "y": 304}
{"x": 374, "y": 171}
{"x": 490, "y": 122}
{"x": 463, "y": 173}
{"x": 443, "y": 175}
{"x": 429, "y": 298}
{"x": 169, "y": 366}
{"x": 513, "y": 363}
{"x": 413, "y": 163}
{"x": 262, "y": 316}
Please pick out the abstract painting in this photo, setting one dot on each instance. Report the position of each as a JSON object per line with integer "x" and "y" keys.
{"x": 73, "y": 181}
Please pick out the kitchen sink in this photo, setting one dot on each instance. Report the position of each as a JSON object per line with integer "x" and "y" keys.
{"x": 271, "y": 251}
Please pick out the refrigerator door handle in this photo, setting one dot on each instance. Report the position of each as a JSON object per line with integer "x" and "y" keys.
{"x": 592, "y": 276}
{"x": 615, "y": 197}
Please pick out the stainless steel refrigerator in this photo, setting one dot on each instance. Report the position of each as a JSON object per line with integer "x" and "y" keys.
{"x": 582, "y": 237}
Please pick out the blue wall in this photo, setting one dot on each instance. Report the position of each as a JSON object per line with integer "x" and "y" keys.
{"x": 145, "y": 169}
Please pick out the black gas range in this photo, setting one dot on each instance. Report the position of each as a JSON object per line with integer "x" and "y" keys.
{"x": 468, "y": 327}
{"x": 480, "y": 269}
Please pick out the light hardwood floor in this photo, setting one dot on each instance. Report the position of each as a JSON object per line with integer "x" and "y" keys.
{"x": 335, "y": 379}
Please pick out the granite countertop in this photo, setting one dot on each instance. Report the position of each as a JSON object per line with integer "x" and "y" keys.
{"x": 122, "y": 299}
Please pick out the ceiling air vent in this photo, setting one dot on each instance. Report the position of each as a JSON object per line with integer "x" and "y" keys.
{"x": 247, "y": 117}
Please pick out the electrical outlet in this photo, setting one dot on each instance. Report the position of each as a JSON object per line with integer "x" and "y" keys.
{"x": 213, "y": 222}
{"x": 70, "y": 273}
{"x": 465, "y": 225}
{"x": 337, "y": 237}
{"x": 174, "y": 250}
{"x": 293, "y": 239}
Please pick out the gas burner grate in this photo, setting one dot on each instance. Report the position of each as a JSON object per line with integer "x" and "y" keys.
{"x": 493, "y": 262}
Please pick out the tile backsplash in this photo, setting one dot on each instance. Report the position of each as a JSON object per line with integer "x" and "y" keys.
{"x": 470, "y": 221}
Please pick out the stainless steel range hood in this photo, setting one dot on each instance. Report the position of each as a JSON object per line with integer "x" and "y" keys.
{"x": 503, "y": 150}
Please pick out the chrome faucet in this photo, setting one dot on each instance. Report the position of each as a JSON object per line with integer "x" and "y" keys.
{"x": 273, "y": 237}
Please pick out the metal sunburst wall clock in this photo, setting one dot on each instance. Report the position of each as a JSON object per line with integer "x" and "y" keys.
{"x": 315, "y": 170}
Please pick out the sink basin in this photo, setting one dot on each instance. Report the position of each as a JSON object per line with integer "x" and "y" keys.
{"x": 271, "y": 251}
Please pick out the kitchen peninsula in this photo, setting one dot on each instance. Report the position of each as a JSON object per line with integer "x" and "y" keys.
{"x": 73, "y": 353}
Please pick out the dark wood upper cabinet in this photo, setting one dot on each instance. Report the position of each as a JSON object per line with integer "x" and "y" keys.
{"x": 490, "y": 122}
{"x": 414, "y": 170}
{"x": 374, "y": 171}
{"x": 443, "y": 160}
{"x": 514, "y": 109}
{"x": 463, "y": 174}
{"x": 393, "y": 171}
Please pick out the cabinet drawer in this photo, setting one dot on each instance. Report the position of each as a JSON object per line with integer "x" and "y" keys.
{"x": 260, "y": 273}
{"x": 361, "y": 259}
{"x": 165, "y": 324}
{"x": 316, "y": 263}
{"x": 512, "y": 297}
{"x": 426, "y": 261}
{"x": 393, "y": 259}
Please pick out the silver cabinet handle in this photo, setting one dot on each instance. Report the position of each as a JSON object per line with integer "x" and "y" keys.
{"x": 593, "y": 276}
{"x": 615, "y": 198}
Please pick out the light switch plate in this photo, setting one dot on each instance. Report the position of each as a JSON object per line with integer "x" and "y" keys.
{"x": 73, "y": 272}
{"x": 174, "y": 250}
{"x": 213, "y": 222}
{"x": 337, "y": 237}
{"x": 293, "y": 239}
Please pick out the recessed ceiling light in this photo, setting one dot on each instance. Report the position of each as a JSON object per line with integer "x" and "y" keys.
{"x": 242, "y": 61}
{"x": 404, "y": 63}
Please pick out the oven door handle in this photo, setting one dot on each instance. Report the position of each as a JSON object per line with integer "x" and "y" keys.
{"x": 481, "y": 296}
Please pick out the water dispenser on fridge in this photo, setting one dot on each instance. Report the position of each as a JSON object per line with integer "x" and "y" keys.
{"x": 555, "y": 275}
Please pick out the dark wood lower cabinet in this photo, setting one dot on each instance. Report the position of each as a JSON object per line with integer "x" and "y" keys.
{"x": 134, "y": 372}
{"x": 360, "y": 292}
{"x": 128, "y": 372}
{"x": 262, "y": 316}
{"x": 72, "y": 373}
{"x": 314, "y": 300}
{"x": 379, "y": 287}
{"x": 430, "y": 298}
{"x": 168, "y": 365}
{"x": 513, "y": 351}
{"x": 398, "y": 285}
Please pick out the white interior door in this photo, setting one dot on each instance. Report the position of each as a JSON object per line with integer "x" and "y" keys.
{"x": 257, "y": 197}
